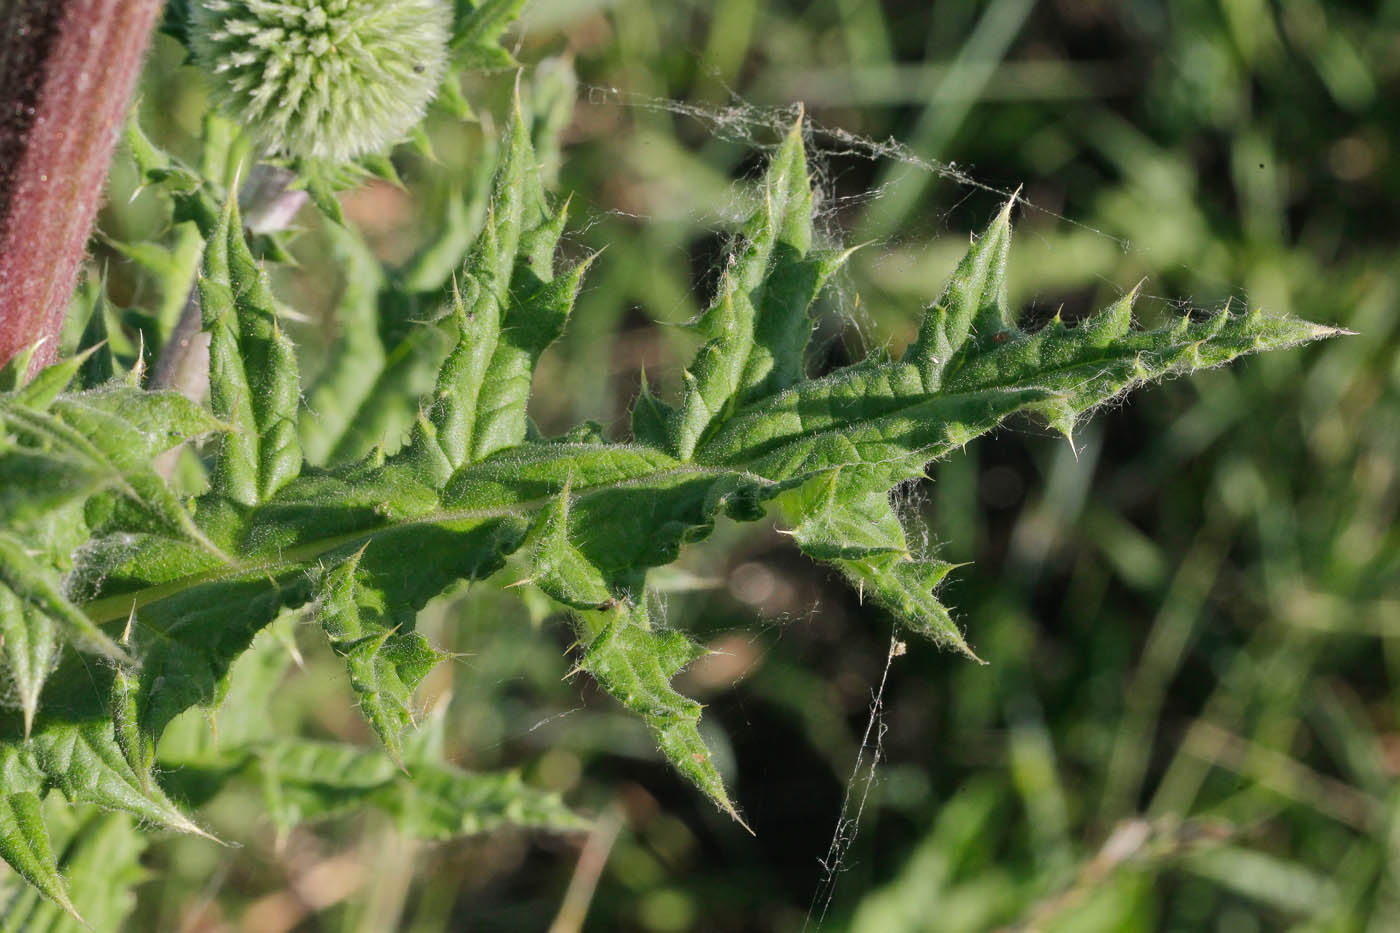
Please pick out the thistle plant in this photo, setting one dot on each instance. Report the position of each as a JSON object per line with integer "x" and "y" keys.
{"x": 132, "y": 605}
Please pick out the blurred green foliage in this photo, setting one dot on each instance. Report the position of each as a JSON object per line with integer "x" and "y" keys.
{"x": 1190, "y": 718}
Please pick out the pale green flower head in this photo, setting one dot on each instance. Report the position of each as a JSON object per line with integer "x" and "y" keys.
{"x": 324, "y": 79}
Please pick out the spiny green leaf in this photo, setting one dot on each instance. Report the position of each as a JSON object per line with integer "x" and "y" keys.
{"x": 628, "y": 508}
{"x": 32, "y": 583}
{"x": 151, "y": 256}
{"x": 387, "y": 355}
{"x": 188, "y": 640}
{"x": 321, "y": 180}
{"x": 904, "y": 585}
{"x": 15, "y": 372}
{"x": 84, "y": 763}
{"x": 196, "y": 193}
{"x": 30, "y": 649}
{"x": 97, "y": 441}
{"x": 159, "y": 420}
{"x": 1103, "y": 357}
{"x": 137, "y": 746}
{"x": 540, "y": 305}
{"x": 632, "y": 507}
{"x": 99, "y": 366}
{"x": 510, "y": 307}
{"x": 385, "y": 664}
{"x": 874, "y": 412}
{"x": 973, "y": 303}
{"x": 38, "y": 393}
{"x": 34, "y": 483}
{"x": 86, "y": 766}
{"x": 99, "y": 855}
{"x": 758, "y": 327}
{"x": 651, "y": 419}
{"x": 240, "y": 716}
{"x": 116, "y": 432}
{"x": 843, "y": 515}
{"x": 476, "y": 29}
{"x": 369, "y": 542}
{"x": 253, "y": 381}
{"x": 635, "y": 663}
{"x": 557, "y": 567}
{"x": 155, "y": 166}
{"x": 24, "y": 843}
{"x": 844, "y": 518}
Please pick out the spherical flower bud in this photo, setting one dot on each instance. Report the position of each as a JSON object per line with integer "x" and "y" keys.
{"x": 324, "y": 79}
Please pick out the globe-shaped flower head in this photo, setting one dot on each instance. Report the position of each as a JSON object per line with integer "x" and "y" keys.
{"x": 325, "y": 79}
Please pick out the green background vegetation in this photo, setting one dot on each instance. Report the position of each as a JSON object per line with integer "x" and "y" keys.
{"x": 1190, "y": 718}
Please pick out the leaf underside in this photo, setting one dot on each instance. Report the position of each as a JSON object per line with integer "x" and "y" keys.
{"x": 94, "y": 542}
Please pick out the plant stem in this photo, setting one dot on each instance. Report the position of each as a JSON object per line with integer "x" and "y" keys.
{"x": 184, "y": 361}
{"x": 67, "y": 70}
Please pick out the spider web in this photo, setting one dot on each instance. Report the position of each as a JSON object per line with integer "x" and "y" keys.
{"x": 857, "y": 792}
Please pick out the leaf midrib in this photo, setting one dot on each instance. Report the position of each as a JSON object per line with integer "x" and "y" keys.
{"x": 118, "y": 607}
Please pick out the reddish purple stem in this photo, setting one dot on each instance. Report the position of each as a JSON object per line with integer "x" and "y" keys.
{"x": 67, "y": 71}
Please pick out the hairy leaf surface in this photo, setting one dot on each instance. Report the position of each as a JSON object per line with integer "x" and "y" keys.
{"x": 98, "y": 854}
{"x": 310, "y": 510}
